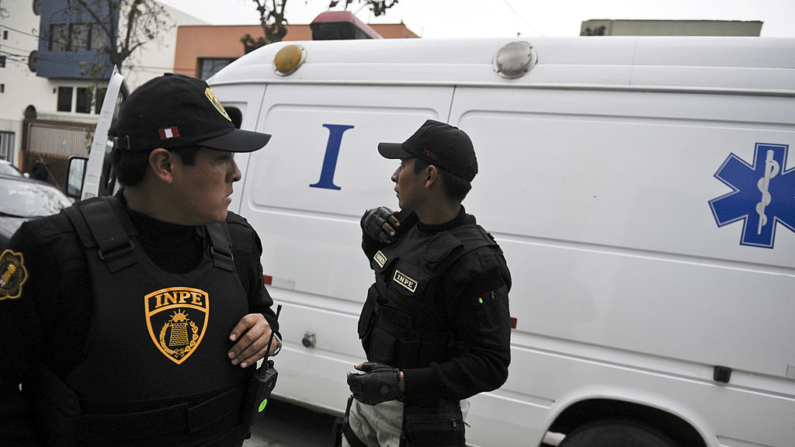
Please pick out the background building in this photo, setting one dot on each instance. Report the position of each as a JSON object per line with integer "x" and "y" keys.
{"x": 204, "y": 50}
{"x": 605, "y": 27}
{"x": 19, "y": 85}
{"x": 50, "y": 98}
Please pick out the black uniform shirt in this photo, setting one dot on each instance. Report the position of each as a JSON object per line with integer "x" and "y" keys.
{"x": 48, "y": 325}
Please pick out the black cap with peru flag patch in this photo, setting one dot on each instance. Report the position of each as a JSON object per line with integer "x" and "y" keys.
{"x": 177, "y": 111}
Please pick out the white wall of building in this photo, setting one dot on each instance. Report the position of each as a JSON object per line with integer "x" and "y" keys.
{"x": 21, "y": 87}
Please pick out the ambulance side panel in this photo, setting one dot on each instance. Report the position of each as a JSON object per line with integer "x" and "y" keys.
{"x": 624, "y": 285}
{"x": 631, "y": 218}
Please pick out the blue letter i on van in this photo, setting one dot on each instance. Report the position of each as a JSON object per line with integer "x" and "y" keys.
{"x": 330, "y": 160}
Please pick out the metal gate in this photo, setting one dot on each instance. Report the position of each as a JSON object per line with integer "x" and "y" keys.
{"x": 52, "y": 143}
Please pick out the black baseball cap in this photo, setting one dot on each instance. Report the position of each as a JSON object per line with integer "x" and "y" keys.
{"x": 441, "y": 145}
{"x": 176, "y": 111}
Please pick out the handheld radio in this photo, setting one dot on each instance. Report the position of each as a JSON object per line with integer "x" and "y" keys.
{"x": 261, "y": 384}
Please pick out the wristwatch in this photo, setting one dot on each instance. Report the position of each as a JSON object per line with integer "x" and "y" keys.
{"x": 278, "y": 345}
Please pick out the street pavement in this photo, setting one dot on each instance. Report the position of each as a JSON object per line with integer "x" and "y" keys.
{"x": 288, "y": 425}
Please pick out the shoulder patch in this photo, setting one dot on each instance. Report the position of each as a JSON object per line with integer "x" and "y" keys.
{"x": 13, "y": 274}
{"x": 380, "y": 258}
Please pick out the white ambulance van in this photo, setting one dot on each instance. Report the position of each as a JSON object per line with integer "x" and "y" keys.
{"x": 639, "y": 188}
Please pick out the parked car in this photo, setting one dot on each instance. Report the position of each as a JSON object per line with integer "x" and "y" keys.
{"x": 6, "y": 168}
{"x": 22, "y": 199}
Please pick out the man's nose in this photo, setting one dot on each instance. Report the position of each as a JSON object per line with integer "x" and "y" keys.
{"x": 235, "y": 174}
{"x": 395, "y": 175}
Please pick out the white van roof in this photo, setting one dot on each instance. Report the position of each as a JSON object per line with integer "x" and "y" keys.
{"x": 702, "y": 63}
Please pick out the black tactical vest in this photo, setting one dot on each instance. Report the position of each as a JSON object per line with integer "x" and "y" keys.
{"x": 402, "y": 322}
{"x": 157, "y": 347}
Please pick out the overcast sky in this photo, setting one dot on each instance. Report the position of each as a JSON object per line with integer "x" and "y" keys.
{"x": 507, "y": 18}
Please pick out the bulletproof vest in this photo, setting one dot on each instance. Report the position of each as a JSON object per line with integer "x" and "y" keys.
{"x": 157, "y": 341}
{"x": 403, "y": 323}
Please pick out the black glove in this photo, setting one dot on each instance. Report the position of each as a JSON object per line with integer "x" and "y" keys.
{"x": 377, "y": 383}
{"x": 374, "y": 220}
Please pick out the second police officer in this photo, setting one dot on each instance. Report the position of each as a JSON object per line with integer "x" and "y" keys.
{"x": 436, "y": 324}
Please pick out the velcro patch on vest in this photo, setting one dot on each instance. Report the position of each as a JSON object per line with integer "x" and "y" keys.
{"x": 401, "y": 278}
{"x": 380, "y": 259}
{"x": 13, "y": 274}
{"x": 177, "y": 320}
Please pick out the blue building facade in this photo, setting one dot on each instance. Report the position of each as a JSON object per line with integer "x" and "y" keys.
{"x": 71, "y": 44}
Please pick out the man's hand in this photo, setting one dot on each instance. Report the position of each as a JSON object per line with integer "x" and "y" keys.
{"x": 380, "y": 223}
{"x": 252, "y": 333}
{"x": 379, "y": 383}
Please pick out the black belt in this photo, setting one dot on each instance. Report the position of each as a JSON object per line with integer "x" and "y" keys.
{"x": 352, "y": 439}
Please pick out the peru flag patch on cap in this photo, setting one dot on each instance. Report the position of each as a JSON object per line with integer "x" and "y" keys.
{"x": 168, "y": 133}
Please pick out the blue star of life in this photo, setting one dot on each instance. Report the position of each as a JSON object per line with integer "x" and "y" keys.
{"x": 762, "y": 196}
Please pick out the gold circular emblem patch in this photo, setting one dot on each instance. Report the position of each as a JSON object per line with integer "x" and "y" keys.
{"x": 13, "y": 274}
{"x": 217, "y": 104}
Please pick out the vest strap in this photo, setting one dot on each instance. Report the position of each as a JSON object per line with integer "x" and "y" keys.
{"x": 99, "y": 226}
{"x": 220, "y": 247}
{"x": 176, "y": 418}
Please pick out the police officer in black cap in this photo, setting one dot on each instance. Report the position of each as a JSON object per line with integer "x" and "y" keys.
{"x": 136, "y": 319}
{"x": 436, "y": 325}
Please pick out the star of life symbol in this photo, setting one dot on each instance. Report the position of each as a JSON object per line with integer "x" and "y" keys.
{"x": 762, "y": 196}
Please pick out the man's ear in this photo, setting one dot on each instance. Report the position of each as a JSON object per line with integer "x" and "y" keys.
{"x": 161, "y": 162}
{"x": 432, "y": 176}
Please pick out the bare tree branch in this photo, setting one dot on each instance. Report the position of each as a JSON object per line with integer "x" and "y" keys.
{"x": 144, "y": 21}
{"x": 274, "y": 24}
{"x": 378, "y": 7}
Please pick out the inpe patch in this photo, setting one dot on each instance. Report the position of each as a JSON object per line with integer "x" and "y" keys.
{"x": 380, "y": 259}
{"x": 13, "y": 274}
{"x": 177, "y": 320}
{"x": 762, "y": 196}
{"x": 400, "y": 278}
